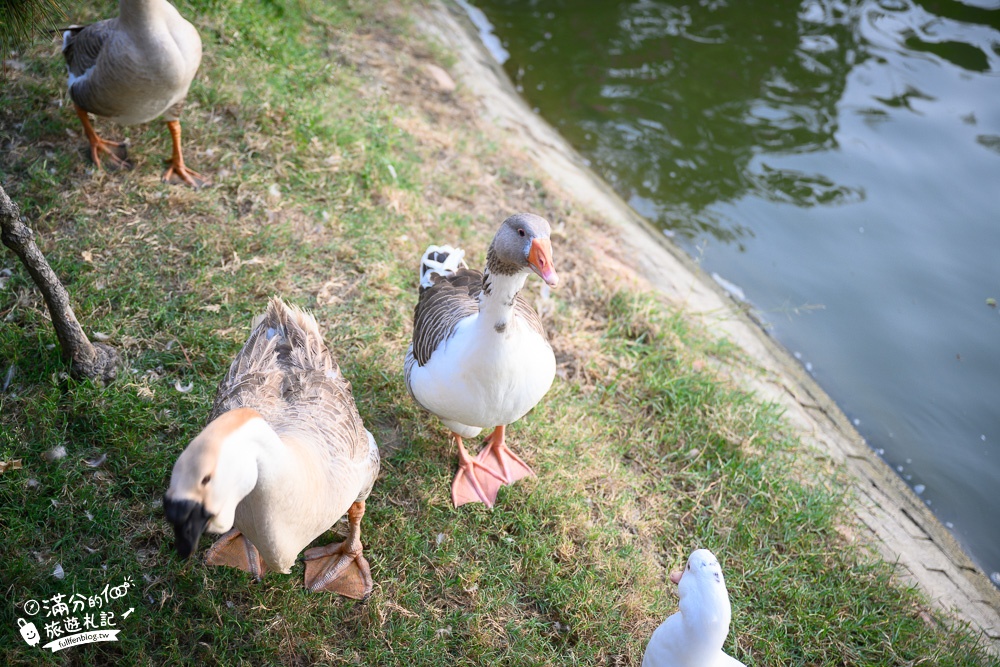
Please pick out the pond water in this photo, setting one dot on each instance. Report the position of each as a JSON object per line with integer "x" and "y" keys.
{"x": 836, "y": 164}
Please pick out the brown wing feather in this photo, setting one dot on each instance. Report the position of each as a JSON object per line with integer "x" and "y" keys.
{"x": 528, "y": 315}
{"x": 84, "y": 44}
{"x": 82, "y": 49}
{"x": 286, "y": 373}
{"x": 441, "y": 307}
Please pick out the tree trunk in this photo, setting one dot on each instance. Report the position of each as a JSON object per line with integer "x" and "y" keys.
{"x": 93, "y": 361}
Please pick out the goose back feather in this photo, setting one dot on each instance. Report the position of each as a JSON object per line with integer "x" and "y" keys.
{"x": 286, "y": 373}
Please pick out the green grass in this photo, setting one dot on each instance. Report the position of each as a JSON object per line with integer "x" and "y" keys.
{"x": 643, "y": 454}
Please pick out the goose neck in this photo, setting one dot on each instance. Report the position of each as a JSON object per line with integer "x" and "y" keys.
{"x": 140, "y": 14}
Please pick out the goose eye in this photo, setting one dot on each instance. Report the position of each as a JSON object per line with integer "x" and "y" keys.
{"x": 206, "y": 479}
{"x": 520, "y": 232}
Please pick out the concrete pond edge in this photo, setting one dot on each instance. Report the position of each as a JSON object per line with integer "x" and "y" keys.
{"x": 899, "y": 525}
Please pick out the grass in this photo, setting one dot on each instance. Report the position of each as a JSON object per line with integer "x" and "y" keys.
{"x": 336, "y": 162}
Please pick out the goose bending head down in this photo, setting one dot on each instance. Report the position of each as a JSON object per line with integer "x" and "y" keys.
{"x": 132, "y": 69}
{"x": 284, "y": 456}
{"x": 693, "y": 637}
{"x": 479, "y": 357}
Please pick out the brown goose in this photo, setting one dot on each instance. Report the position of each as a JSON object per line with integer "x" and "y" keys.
{"x": 132, "y": 69}
{"x": 285, "y": 455}
{"x": 479, "y": 357}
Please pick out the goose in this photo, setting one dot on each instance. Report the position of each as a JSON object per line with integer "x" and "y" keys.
{"x": 284, "y": 456}
{"x": 693, "y": 637}
{"x": 479, "y": 357}
{"x": 132, "y": 69}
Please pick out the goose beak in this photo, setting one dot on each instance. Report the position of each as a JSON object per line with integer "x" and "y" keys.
{"x": 675, "y": 576}
{"x": 540, "y": 260}
{"x": 189, "y": 519}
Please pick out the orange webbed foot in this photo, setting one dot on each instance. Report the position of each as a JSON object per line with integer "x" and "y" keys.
{"x": 474, "y": 482}
{"x": 499, "y": 459}
{"x": 341, "y": 568}
{"x": 233, "y": 549}
{"x": 177, "y": 174}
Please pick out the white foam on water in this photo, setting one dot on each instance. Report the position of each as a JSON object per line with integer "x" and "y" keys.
{"x": 731, "y": 288}
{"x": 486, "y": 34}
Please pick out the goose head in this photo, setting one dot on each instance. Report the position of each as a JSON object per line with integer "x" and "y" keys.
{"x": 523, "y": 244}
{"x": 704, "y": 600}
{"x": 703, "y": 572}
{"x": 211, "y": 476}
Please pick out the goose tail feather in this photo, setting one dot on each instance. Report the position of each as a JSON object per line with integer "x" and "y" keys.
{"x": 440, "y": 261}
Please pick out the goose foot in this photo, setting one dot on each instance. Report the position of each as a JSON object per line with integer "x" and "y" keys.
{"x": 233, "y": 549}
{"x": 177, "y": 172}
{"x": 117, "y": 152}
{"x": 499, "y": 460}
{"x": 340, "y": 568}
{"x": 474, "y": 482}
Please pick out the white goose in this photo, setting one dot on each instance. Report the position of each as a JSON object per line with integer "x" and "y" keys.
{"x": 285, "y": 455}
{"x": 132, "y": 69}
{"x": 693, "y": 637}
{"x": 479, "y": 357}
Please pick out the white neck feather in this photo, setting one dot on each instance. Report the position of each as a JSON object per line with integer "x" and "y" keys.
{"x": 706, "y": 617}
{"x": 496, "y": 308}
{"x": 249, "y": 458}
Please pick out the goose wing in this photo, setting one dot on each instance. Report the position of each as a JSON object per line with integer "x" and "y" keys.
{"x": 441, "y": 307}
{"x": 82, "y": 47}
{"x": 528, "y": 315}
{"x": 286, "y": 373}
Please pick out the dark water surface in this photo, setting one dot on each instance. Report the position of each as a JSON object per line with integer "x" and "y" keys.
{"x": 837, "y": 163}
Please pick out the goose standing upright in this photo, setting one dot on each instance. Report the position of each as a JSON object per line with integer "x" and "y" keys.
{"x": 479, "y": 357}
{"x": 693, "y": 637}
{"x": 284, "y": 456}
{"x": 132, "y": 69}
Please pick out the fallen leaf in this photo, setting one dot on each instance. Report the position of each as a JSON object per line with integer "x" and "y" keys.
{"x": 10, "y": 465}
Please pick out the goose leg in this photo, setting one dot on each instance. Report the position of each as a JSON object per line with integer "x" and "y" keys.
{"x": 177, "y": 168}
{"x": 98, "y": 145}
{"x": 474, "y": 482}
{"x": 340, "y": 568}
{"x": 233, "y": 549}
{"x": 497, "y": 458}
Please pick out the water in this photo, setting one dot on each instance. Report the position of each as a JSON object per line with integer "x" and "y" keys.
{"x": 837, "y": 164}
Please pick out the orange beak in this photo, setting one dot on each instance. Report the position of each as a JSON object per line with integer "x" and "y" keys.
{"x": 540, "y": 259}
{"x": 675, "y": 576}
